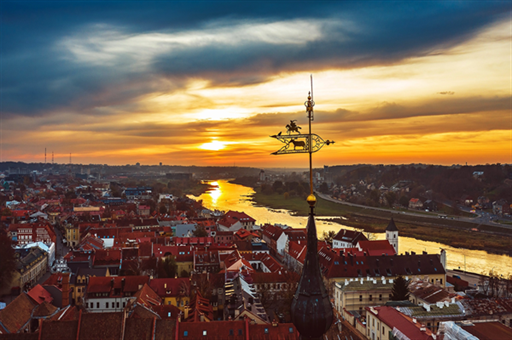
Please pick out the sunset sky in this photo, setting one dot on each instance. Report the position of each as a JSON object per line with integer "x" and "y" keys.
{"x": 207, "y": 82}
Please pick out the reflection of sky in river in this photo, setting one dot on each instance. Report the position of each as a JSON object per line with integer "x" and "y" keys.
{"x": 236, "y": 197}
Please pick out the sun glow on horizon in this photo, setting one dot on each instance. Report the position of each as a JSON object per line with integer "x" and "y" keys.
{"x": 213, "y": 146}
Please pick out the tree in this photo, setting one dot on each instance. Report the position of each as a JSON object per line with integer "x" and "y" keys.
{"x": 277, "y": 185}
{"x": 200, "y": 231}
{"x": 203, "y": 285}
{"x": 400, "y": 290}
{"x": 375, "y": 196}
{"x": 328, "y": 236}
{"x": 167, "y": 267}
{"x": 404, "y": 201}
{"x": 391, "y": 198}
{"x": 162, "y": 210}
{"x": 7, "y": 260}
{"x": 324, "y": 188}
{"x": 149, "y": 266}
{"x": 184, "y": 292}
{"x": 455, "y": 208}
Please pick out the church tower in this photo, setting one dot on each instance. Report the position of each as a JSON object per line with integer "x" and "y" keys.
{"x": 392, "y": 234}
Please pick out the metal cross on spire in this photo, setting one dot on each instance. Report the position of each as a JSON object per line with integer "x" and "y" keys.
{"x": 311, "y": 307}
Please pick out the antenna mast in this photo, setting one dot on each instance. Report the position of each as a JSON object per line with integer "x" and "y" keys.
{"x": 44, "y": 155}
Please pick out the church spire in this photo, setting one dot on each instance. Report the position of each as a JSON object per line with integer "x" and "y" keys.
{"x": 311, "y": 308}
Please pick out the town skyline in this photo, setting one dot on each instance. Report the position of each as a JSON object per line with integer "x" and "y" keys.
{"x": 121, "y": 83}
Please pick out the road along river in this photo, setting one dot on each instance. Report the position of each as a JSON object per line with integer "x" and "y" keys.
{"x": 229, "y": 196}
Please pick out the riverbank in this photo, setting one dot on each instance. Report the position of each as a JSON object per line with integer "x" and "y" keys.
{"x": 459, "y": 234}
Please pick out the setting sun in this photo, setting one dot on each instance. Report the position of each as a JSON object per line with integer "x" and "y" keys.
{"x": 213, "y": 146}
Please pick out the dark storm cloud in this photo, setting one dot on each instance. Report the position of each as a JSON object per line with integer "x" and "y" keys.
{"x": 39, "y": 76}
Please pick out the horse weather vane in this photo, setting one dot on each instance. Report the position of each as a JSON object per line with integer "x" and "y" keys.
{"x": 311, "y": 309}
{"x": 297, "y": 142}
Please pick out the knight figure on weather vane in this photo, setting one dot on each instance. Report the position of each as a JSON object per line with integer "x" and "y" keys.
{"x": 311, "y": 307}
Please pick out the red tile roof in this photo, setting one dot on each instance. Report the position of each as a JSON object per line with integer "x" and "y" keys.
{"x": 335, "y": 266}
{"x": 272, "y": 232}
{"x": 489, "y": 330}
{"x": 147, "y": 297}
{"x": 101, "y": 284}
{"x": 377, "y": 247}
{"x": 40, "y": 295}
{"x": 170, "y": 287}
{"x": 282, "y": 277}
{"x": 44, "y": 309}
{"x": 200, "y": 307}
{"x": 107, "y": 257}
{"x": 146, "y": 249}
{"x": 350, "y": 236}
{"x": 16, "y": 314}
{"x": 100, "y": 326}
{"x": 232, "y": 217}
{"x": 393, "y": 318}
{"x": 297, "y": 251}
{"x": 193, "y": 240}
{"x": 167, "y": 311}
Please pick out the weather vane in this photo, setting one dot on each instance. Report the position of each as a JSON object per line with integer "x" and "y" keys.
{"x": 311, "y": 309}
{"x": 297, "y": 142}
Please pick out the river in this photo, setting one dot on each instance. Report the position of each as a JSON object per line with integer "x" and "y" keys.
{"x": 228, "y": 196}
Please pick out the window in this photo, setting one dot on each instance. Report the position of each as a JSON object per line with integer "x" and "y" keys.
{"x": 239, "y": 332}
{"x": 380, "y": 297}
{"x": 371, "y": 297}
{"x": 231, "y": 332}
{"x": 87, "y": 305}
{"x": 360, "y": 298}
{"x": 266, "y": 330}
{"x": 382, "y": 330}
{"x": 117, "y": 305}
{"x": 185, "y": 333}
{"x": 97, "y": 305}
{"x": 290, "y": 330}
{"x": 106, "y": 304}
{"x": 169, "y": 314}
{"x": 204, "y": 333}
